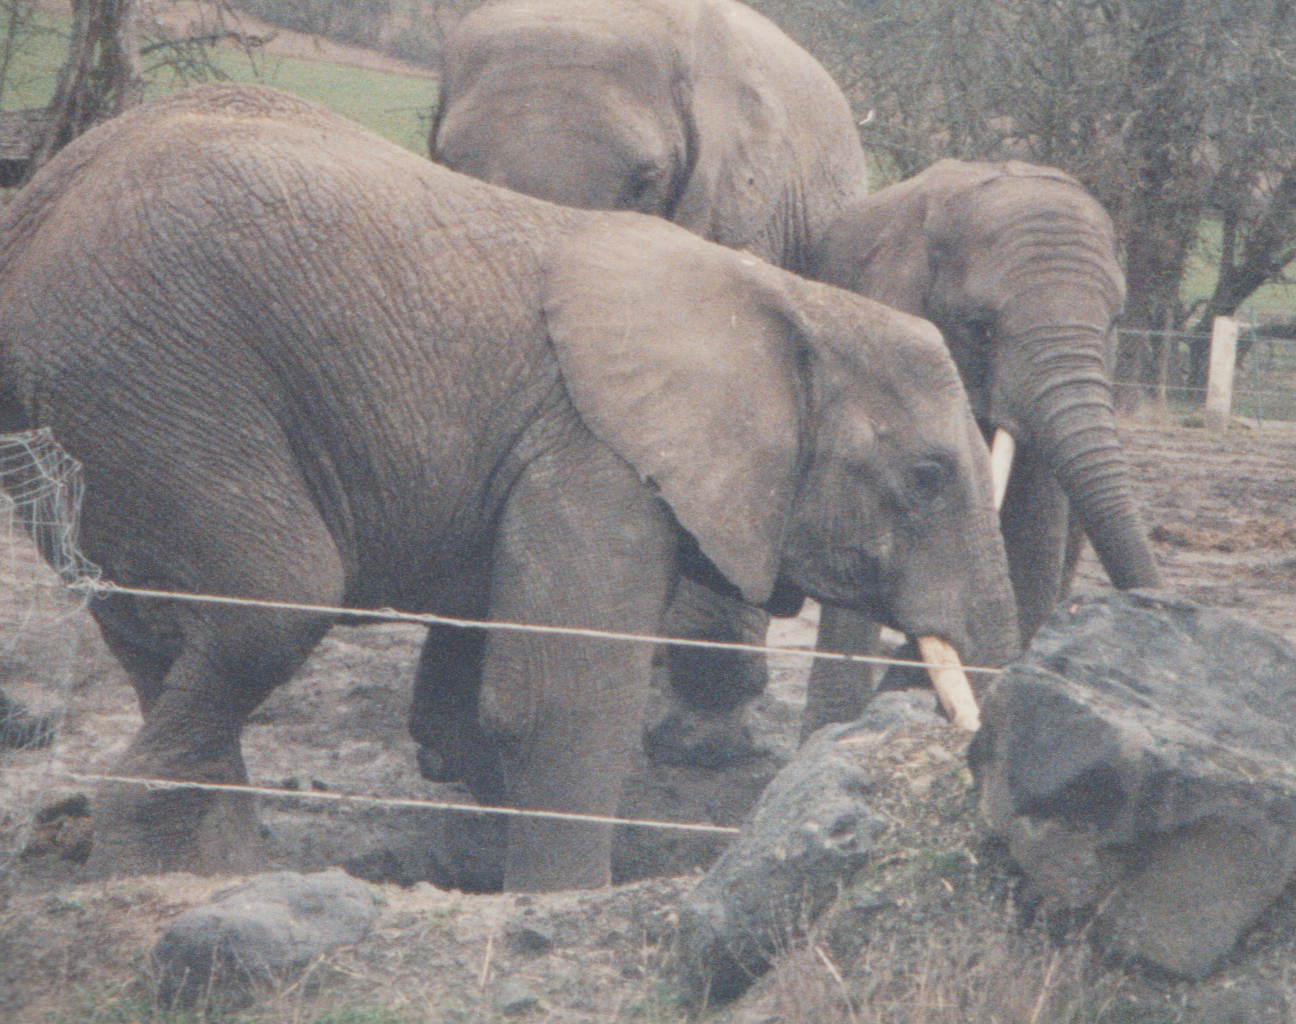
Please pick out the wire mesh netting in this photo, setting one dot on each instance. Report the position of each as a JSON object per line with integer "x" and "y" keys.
{"x": 39, "y": 621}
{"x": 1264, "y": 381}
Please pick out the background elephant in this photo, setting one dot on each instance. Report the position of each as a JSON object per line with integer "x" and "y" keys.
{"x": 1016, "y": 264}
{"x": 298, "y": 363}
{"x": 699, "y": 111}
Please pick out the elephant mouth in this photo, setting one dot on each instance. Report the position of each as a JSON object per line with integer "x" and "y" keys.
{"x": 859, "y": 575}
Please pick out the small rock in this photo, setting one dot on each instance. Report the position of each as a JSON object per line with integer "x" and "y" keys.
{"x": 258, "y": 936}
{"x": 515, "y": 997}
{"x": 63, "y": 829}
{"x": 532, "y": 938}
{"x": 19, "y": 729}
{"x": 1238, "y": 1004}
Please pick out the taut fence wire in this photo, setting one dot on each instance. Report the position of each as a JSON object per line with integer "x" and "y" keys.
{"x": 44, "y": 488}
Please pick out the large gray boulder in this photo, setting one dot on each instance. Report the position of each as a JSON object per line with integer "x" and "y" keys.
{"x": 1139, "y": 762}
{"x": 813, "y": 828}
{"x": 258, "y": 936}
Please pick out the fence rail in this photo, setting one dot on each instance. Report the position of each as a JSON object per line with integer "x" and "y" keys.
{"x": 1264, "y": 382}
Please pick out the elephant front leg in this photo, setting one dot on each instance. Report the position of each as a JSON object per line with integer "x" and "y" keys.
{"x": 1035, "y": 523}
{"x": 588, "y": 546}
{"x": 708, "y": 679}
{"x": 444, "y": 718}
{"x": 838, "y": 690}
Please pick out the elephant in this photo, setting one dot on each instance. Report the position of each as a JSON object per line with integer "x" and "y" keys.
{"x": 1016, "y": 264}
{"x": 699, "y": 111}
{"x": 299, "y": 364}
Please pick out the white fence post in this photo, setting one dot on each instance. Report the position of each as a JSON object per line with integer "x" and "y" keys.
{"x": 1219, "y": 378}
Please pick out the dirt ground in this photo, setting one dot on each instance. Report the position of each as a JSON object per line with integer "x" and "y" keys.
{"x": 1221, "y": 512}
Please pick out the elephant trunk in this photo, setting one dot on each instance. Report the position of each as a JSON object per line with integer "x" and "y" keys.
{"x": 1076, "y": 430}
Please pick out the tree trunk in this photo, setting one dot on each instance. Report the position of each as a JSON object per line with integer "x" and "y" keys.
{"x": 101, "y": 77}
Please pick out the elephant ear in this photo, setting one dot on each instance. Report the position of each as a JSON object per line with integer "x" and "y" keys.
{"x": 879, "y": 246}
{"x": 674, "y": 353}
{"x": 740, "y": 176}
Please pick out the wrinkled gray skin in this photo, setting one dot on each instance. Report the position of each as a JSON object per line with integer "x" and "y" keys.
{"x": 302, "y": 364}
{"x": 699, "y": 111}
{"x": 1016, "y": 265}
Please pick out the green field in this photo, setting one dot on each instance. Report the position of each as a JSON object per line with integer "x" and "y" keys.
{"x": 1270, "y": 303}
{"x": 394, "y": 106}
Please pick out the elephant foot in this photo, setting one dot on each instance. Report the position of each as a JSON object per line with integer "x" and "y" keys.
{"x": 682, "y": 735}
{"x": 140, "y": 831}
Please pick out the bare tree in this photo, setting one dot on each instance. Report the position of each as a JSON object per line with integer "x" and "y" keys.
{"x": 1175, "y": 113}
{"x": 100, "y": 77}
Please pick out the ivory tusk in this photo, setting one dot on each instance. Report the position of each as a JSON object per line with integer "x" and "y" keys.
{"x": 1001, "y": 459}
{"x": 951, "y": 682}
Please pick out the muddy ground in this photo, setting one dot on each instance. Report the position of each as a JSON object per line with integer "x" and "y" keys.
{"x": 1222, "y": 512}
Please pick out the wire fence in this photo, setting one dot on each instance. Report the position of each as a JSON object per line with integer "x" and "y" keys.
{"x": 1264, "y": 391}
{"x": 50, "y": 581}
{"x": 1264, "y": 383}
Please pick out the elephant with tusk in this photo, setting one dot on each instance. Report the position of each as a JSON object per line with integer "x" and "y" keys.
{"x": 298, "y": 363}
{"x": 1016, "y": 264}
{"x": 702, "y": 112}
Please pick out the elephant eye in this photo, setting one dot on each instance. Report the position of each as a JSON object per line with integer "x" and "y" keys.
{"x": 643, "y": 180}
{"x": 979, "y": 332}
{"x": 927, "y": 480}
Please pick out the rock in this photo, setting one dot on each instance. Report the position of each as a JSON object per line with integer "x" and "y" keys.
{"x": 1139, "y": 762}
{"x": 532, "y": 938}
{"x": 258, "y": 936}
{"x": 1244, "y": 1003}
{"x": 811, "y": 831}
{"x": 515, "y": 997}
{"x": 63, "y": 829}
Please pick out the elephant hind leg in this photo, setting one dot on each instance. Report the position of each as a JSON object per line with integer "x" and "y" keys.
{"x": 200, "y": 670}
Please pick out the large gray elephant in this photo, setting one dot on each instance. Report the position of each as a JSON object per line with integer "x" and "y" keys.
{"x": 299, "y": 363}
{"x": 1016, "y": 264}
{"x": 699, "y": 111}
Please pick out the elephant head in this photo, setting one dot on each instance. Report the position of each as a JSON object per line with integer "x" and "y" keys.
{"x": 798, "y": 432}
{"x": 1016, "y": 265}
{"x": 698, "y": 111}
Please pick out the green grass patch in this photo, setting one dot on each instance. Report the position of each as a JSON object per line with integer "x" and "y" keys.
{"x": 394, "y": 106}
{"x": 1269, "y": 303}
